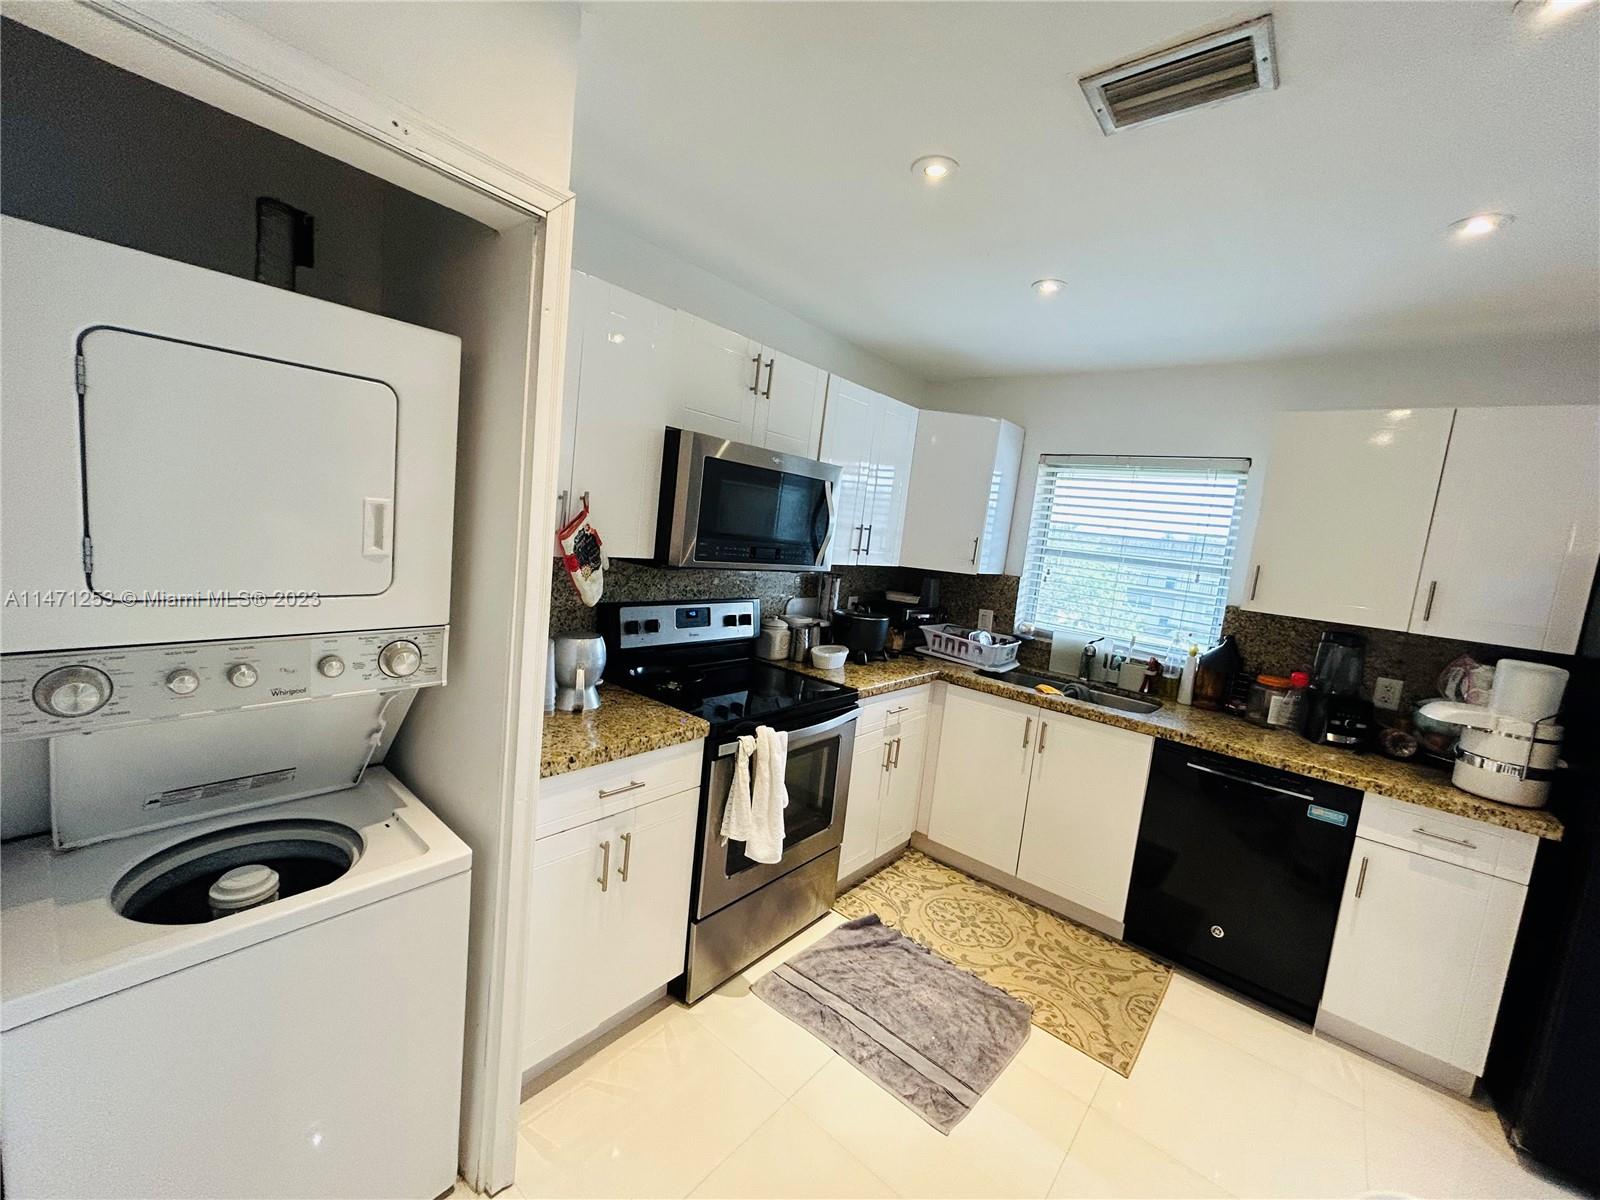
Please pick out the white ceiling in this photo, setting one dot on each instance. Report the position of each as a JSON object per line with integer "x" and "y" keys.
{"x": 771, "y": 143}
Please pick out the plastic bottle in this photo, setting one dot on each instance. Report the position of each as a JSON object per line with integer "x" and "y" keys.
{"x": 1186, "y": 679}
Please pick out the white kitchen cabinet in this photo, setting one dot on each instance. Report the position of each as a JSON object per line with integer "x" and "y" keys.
{"x": 872, "y": 437}
{"x": 618, "y": 408}
{"x": 1516, "y": 529}
{"x": 789, "y": 408}
{"x": 1420, "y": 956}
{"x": 980, "y": 790}
{"x": 963, "y": 487}
{"x": 725, "y": 384}
{"x": 1085, "y": 798}
{"x": 1344, "y": 514}
{"x": 610, "y": 915}
{"x": 885, "y": 775}
{"x": 713, "y": 381}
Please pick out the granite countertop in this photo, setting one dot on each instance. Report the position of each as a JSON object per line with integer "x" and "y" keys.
{"x": 625, "y": 724}
{"x": 1224, "y": 734}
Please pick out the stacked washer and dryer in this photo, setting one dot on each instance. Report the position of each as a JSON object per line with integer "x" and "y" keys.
{"x": 232, "y": 946}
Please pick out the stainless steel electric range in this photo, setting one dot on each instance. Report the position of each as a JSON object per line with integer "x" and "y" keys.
{"x": 699, "y": 656}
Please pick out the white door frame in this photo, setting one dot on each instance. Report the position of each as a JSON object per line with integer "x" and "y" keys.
{"x": 205, "y": 52}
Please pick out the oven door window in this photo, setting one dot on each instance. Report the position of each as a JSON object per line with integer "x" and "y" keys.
{"x": 770, "y": 516}
{"x": 207, "y": 471}
{"x": 812, "y": 779}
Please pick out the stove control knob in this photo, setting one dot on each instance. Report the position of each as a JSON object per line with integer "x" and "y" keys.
{"x": 399, "y": 659}
{"x": 242, "y": 675}
{"x": 183, "y": 682}
{"x": 72, "y": 691}
{"x": 331, "y": 666}
{"x": 652, "y": 626}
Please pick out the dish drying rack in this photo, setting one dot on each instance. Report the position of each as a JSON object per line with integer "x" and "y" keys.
{"x": 954, "y": 643}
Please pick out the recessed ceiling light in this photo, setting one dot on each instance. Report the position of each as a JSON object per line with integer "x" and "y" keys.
{"x": 1480, "y": 224}
{"x": 934, "y": 168}
{"x": 1048, "y": 287}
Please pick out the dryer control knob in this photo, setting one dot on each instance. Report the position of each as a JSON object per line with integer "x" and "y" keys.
{"x": 72, "y": 691}
{"x": 399, "y": 659}
{"x": 242, "y": 675}
{"x": 183, "y": 682}
{"x": 331, "y": 666}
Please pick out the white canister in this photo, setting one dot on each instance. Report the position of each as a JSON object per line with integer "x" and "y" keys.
{"x": 773, "y": 644}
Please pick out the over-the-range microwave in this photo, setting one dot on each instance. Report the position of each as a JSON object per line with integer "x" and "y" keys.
{"x": 726, "y": 504}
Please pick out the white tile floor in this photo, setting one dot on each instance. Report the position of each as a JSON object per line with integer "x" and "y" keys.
{"x": 730, "y": 1099}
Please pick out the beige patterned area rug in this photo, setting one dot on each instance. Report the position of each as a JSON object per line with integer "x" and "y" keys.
{"x": 1095, "y": 994}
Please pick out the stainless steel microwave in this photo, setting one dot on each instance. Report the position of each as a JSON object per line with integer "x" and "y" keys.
{"x": 725, "y": 504}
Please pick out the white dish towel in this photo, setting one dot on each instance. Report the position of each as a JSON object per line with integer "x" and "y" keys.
{"x": 758, "y": 795}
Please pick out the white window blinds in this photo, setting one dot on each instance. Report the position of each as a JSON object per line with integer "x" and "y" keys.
{"x": 1136, "y": 549}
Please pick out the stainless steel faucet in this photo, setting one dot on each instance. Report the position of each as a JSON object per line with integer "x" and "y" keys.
{"x": 1086, "y": 662}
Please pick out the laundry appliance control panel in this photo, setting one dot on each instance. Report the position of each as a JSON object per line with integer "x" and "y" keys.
{"x": 42, "y": 695}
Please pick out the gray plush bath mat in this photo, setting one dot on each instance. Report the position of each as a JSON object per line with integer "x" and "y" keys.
{"x": 929, "y": 1033}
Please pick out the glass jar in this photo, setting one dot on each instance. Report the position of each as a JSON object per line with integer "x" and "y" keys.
{"x": 1268, "y": 701}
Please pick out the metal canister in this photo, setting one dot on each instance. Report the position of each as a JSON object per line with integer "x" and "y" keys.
{"x": 802, "y": 636}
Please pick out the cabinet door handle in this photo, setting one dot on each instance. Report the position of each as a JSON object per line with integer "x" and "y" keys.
{"x": 886, "y": 748}
{"x": 561, "y": 509}
{"x": 1027, "y": 731}
{"x": 1427, "y": 608}
{"x": 755, "y": 383}
{"x": 771, "y": 363}
{"x": 1044, "y": 728}
{"x": 1255, "y": 582}
{"x": 867, "y": 549}
{"x": 896, "y": 763}
{"x": 855, "y": 546}
{"x": 607, "y": 793}
{"x": 1361, "y": 879}
{"x": 1441, "y": 837}
{"x": 895, "y": 712}
{"x": 627, "y": 856}
{"x": 605, "y": 865}
{"x": 975, "y": 549}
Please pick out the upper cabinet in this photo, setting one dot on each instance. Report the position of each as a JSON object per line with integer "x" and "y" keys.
{"x": 963, "y": 487}
{"x": 731, "y": 387}
{"x": 872, "y": 437}
{"x": 1477, "y": 523}
{"x": 1344, "y": 514}
{"x": 1516, "y": 529}
{"x": 633, "y": 368}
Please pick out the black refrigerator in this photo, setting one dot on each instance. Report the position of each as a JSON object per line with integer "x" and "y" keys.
{"x": 1544, "y": 1062}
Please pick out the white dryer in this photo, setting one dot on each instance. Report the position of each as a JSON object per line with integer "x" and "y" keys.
{"x": 232, "y": 947}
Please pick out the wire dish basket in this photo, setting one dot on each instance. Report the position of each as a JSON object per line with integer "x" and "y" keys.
{"x": 955, "y": 643}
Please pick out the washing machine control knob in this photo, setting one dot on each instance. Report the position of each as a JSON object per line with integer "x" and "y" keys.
{"x": 399, "y": 659}
{"x": 183, "y": 682}
{"x": 72, "y": 691}
{"x": 331, "y": 666}
{"x": 242, "y": 675}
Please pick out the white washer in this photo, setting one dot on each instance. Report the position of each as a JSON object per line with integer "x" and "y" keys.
{"x": 293, "y": 1049}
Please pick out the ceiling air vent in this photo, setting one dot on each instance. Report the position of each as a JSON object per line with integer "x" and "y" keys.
{"x": 1208, "y": 70}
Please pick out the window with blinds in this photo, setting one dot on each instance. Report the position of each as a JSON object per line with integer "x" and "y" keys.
{"x": 1136, "y": 549}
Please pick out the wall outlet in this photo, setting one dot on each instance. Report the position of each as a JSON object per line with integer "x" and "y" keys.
{"x": 1387, "y": 693}
{"x": 986, "y": 619}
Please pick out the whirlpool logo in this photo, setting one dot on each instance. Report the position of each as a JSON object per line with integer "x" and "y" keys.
{"x": 300, "y": 691}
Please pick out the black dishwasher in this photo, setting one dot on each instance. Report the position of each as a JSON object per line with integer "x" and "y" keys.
{"x": 1239, "y": 871}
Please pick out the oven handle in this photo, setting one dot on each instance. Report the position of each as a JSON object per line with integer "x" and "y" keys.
{"x": 807, "y": 734}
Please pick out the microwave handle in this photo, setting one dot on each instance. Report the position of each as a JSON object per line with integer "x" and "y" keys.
{"x": 827, "y": 542}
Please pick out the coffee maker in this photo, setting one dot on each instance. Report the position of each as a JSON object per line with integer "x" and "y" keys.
{"x": 1335, "y": 713}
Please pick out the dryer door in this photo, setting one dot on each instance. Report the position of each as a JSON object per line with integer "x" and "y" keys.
{"x": 209, "y": 472}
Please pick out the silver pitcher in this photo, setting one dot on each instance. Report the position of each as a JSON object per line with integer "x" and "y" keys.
{"x": 580, "y": 665}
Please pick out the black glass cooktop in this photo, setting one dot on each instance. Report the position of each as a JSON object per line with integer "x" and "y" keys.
{"x": 728, "y": 693}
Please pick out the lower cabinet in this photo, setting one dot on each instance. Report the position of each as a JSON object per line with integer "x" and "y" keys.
{"x": 1424, "y": 938}
{"x": 885, "y": 776}
{"x": 610, "y": 919}
{"x": 1052, "y": 799}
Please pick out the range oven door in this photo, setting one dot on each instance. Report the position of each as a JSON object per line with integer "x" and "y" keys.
{"x": 725, "y": 504}
{"x": 818, "y": 781}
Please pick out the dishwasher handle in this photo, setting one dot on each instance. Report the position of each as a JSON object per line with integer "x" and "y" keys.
{"x": 1247, "y": 782}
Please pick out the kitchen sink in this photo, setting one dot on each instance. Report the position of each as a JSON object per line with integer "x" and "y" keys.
{"x": 1075, "y": 689}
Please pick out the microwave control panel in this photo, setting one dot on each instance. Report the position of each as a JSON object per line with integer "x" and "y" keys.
{"x": 80, "y": 691}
